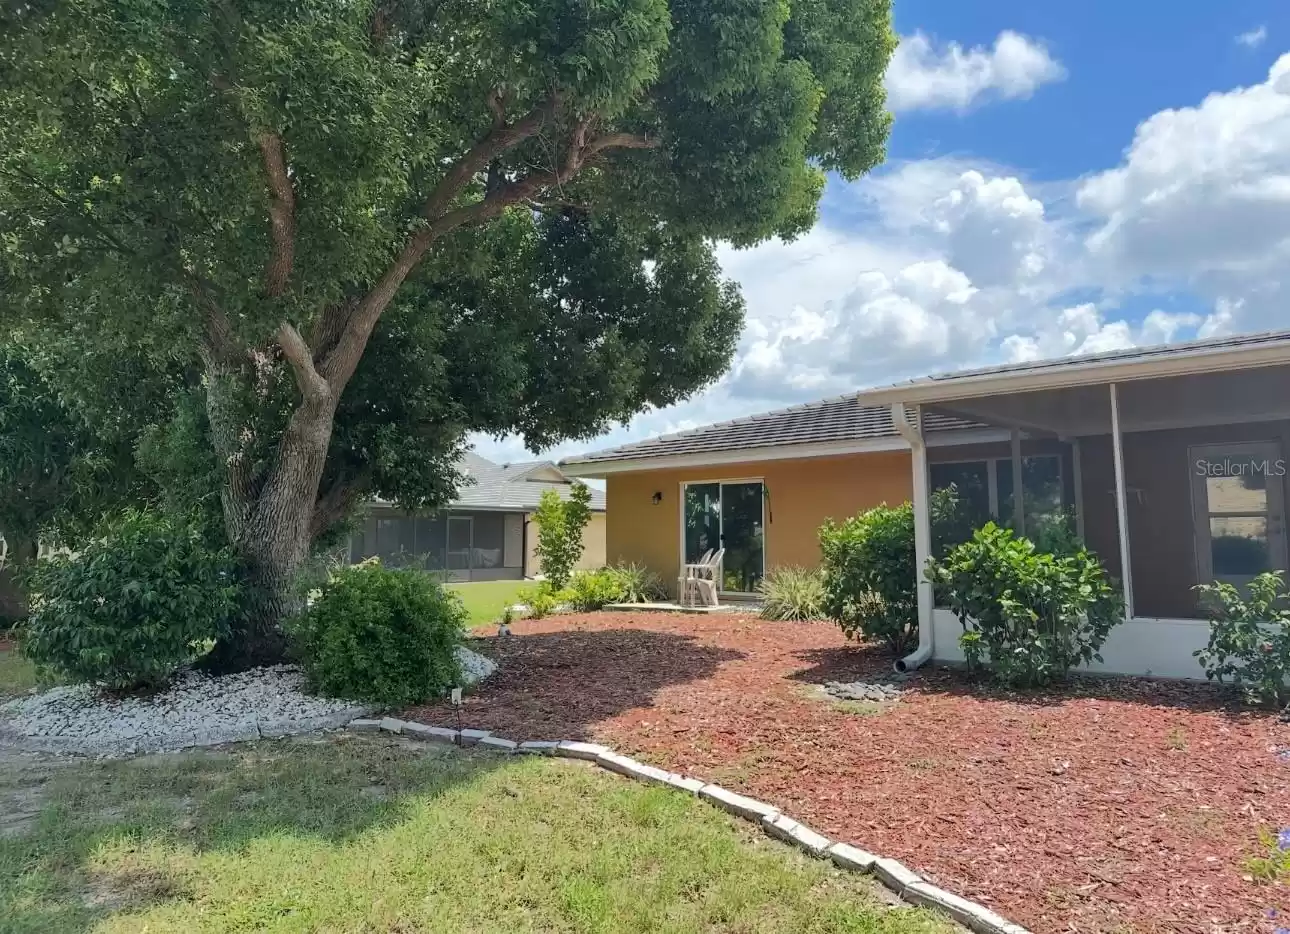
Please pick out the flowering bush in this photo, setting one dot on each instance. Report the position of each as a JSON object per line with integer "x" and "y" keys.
{"x": 1249, "y": 637}
{"x": 1275, "y": 866}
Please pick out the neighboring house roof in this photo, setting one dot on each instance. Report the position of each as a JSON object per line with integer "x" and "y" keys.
{"x": 831, "y": 426}
{"x": 1182, "y": 358}
{"x": 513, "y": 487}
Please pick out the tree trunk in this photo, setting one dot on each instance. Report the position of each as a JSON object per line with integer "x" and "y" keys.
{"x": 268, "y": 521}
{"x": 13, "y": 595}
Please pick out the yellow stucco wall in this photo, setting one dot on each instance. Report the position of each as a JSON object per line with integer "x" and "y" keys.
{"x": 801, "y": 494}
{"x": 593, "y": 545}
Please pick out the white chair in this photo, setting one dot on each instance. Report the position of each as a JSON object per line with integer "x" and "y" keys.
{"x": 700, "y": 579}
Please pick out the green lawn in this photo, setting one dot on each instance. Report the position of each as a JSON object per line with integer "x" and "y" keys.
{"x": 485, "y": 599}
{"x": 16, "y": 673}
{"x": 356, "y": 833}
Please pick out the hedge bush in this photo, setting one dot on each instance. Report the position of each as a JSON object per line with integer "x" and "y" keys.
{"x": 143, "y": 598}
{"x": 590, "y": 590}
{"x": 790, "y": 593}
{"x": 870, "y": 575}
{"x": 543, "y": 599}
{"x": 381, "y": 635}
{"x": 1249, "y": 638}
{"x": 1027, "y": 616}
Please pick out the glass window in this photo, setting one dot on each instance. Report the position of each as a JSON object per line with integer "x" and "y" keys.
{"x": 702, "y": 520}
{"x": 1239, "y": 545}
{"x": 971, "y": 483}
{"x": 1041, "y": 482}
{"x": 431, "y": 537}
{"x": 396, "y": 541}
{"x": 742, "y": 536}
{"x": 489, "y": 540}
{"x": 459, "y": 537}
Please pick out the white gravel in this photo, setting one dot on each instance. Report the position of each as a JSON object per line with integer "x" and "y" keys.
{"x": 196, "y": 710}
{"x": 474, "y": 667}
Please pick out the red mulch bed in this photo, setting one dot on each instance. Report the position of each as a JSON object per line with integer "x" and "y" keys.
{"x": 1110, "y": 806}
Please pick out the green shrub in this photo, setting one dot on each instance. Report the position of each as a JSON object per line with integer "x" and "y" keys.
{"x": 1027, "y": 616}
{"x": 870, "y": 569}
{"x": 869, "y": 575}
{"x": 1249, "y": 638}
{"x": 637, "y": 583}
{"x": 790, "y": 593}
{"x": 1054, "y": 533}
{"x": 381, "y": 635}
{"x": 590, "y": 590}
{"x": 543, "y": 599}
{"x": 143, "y": 598}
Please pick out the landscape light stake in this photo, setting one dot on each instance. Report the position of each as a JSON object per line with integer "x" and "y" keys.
{"x": 456, "y": 703}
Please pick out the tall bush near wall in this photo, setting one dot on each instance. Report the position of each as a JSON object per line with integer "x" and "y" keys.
{"x": 560, "y": 527}
{"x": 1028, "y": 616}
{"x": 870, "y": 575}
{"x": 871, "y": 572}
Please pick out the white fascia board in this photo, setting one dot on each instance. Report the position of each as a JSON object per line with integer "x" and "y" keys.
{"x": 1080, "y": 373}
{"x": 776, "y": 452}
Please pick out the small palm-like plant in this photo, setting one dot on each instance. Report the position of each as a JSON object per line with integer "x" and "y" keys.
{"x": 637, "y": 583}
{"x": 791, "y": 593}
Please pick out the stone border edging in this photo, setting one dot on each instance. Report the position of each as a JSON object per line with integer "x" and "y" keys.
{"x": 897, "y": 877}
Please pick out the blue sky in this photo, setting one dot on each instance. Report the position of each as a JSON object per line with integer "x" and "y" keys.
{"x": 1061, "y": 178}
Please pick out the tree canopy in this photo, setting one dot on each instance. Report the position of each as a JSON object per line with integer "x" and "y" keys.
{"x": 359, "y": 229}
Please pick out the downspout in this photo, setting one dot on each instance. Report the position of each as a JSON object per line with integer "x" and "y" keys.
{"x": 908, "y": 422}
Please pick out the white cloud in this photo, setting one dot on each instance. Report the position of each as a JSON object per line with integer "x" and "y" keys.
{"x": 925, "y": 76}
{"x": 1254, "y": 38}
{"x": 1082, "y": 329}
{"x": 1202, "y": 201}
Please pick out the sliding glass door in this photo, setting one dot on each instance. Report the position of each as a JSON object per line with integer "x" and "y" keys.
{"x": 727, "y": 515}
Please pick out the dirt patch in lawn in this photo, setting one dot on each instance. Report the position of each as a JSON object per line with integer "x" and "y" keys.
{"x": 1110, "y": 806}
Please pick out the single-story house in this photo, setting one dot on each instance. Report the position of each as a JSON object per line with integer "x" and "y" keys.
{"x": 1173, "y": 456}
{"x": 487, "y": 533}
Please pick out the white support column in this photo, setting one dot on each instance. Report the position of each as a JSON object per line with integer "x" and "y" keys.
{"x": 1018, "y": 486}
{"x": 1077, "y": 480}
{"x": 1121, "y": 505}
{"x": 909, "y": 422}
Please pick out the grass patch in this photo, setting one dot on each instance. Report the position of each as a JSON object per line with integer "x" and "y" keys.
{"x": 364, "y": 834}
{"x": 485, "y": 600}
{"x": 17, "y": 675}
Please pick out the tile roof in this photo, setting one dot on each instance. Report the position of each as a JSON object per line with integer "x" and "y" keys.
{"x": 511, "y": 486}
{"x": 838, "y": 419}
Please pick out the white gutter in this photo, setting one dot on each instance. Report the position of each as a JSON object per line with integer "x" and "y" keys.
{"x": 1081, "y": 373}
{"x": 911, "y": 430}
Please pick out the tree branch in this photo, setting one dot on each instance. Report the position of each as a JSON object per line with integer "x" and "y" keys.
{"x": 336, "y": 501}
{"x": 623, "y": 141}
{"x": 501, "y": 137}
{"x": 282, "y": 215}
{"x": 311, "y": 384}
{"x": 339, "y": 364}
{"x": 218, "y": 340}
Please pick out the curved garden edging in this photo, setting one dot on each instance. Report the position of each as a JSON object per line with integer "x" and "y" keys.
{"x": 897, "y": 877}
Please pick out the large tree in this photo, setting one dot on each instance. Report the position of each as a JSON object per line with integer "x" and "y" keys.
{"x": 378, "y": 224}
